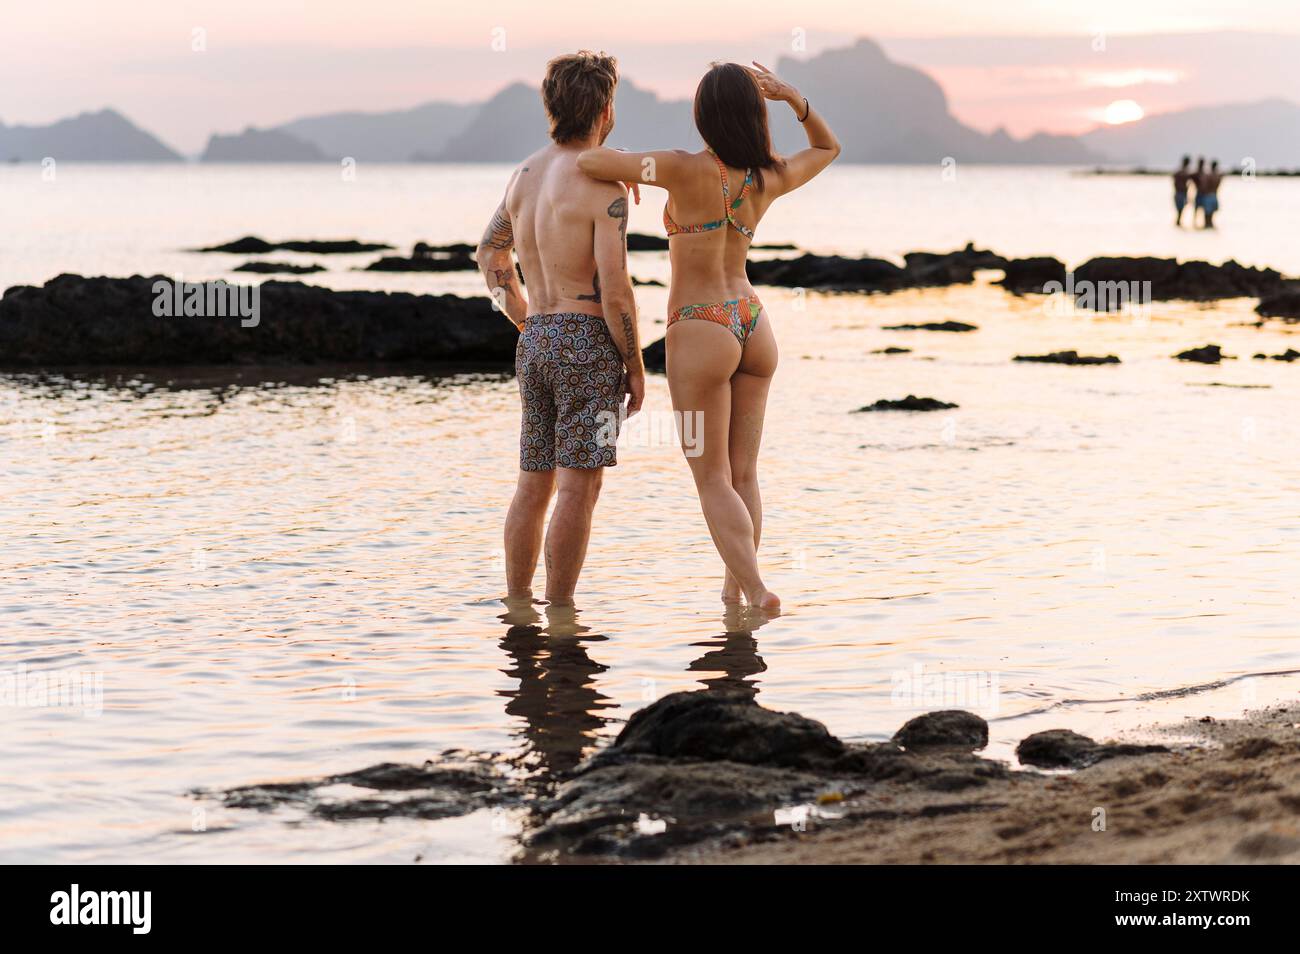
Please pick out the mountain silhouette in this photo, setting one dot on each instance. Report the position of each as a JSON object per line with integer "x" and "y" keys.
{"x": 397, "y": 136}
{"x": 885, "y": 112}
{"x": 261, "y": 145}
{"x": 1267, "y": 131}
{"x": 104, "y": 135}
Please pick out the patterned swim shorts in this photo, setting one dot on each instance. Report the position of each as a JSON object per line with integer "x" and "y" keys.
{"x": 571, "y": 384}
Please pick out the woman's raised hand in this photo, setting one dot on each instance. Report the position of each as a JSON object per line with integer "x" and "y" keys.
{"x": 772, "y": 86}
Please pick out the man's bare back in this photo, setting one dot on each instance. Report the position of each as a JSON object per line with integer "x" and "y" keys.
{"x": 555, "y": 208}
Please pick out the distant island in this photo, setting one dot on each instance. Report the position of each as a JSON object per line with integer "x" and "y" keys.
{"x": 882, "y": 110}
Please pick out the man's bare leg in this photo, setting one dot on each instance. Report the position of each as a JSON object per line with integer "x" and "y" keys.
{"x": 524, "y": 525}
{"x": 569, "y": 530}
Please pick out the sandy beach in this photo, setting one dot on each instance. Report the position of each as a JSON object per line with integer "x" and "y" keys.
{"x": 1231, "y": 797}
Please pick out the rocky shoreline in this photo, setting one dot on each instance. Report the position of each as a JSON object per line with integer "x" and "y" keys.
{"x": 72, "y": 320}
{"x": 76, "y": 321}
{"x": 712, "y": 776}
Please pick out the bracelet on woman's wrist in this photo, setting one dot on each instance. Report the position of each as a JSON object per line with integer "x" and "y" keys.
{"x": 806, "y": 109}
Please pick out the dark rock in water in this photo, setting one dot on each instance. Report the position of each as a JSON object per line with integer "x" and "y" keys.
{"x": 73, "y": 320}
{"x": 456, "y": 262}
{"x": 892, "y": 350}
{"x": 1109, "y": 278}
{"x": 968, "y": 257}
{"x": 726, "y": 726}
{"x": 952, "y": 326}
{"x": 776, "y": 247}
{"x": 1284, "y": 304}
{"x": 947, "y": 728}
{"x": 648, "y": 282}
{"x": 273, "y": 268}
{"x": 424, "y": 249}
{"x": 446, "y": 788}
{"x": 1207, "y": 354}
{"x": 1290, "y": 354}
{"x": 252, "y": 245}
{"x": 1031, "y": 274}
{"x": 829, "y": 272}
{"x": 600, "y": 811}
{"x": 837, "y": 273}
{"x": 655, "y": 355}
{"x": 1068, "y": 357}
{"x": 1061, "y": 748}
{"x": 909, "y": 403}
{"x": 640, "y": 242}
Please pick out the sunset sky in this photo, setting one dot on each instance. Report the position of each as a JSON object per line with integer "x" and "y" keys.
{"x": 1021, "y": 64}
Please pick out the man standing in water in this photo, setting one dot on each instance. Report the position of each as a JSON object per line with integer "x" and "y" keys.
{"x": 578, "y": 352}
{"x": 1207, "y": 193}
{"x": 1181, "y": 178}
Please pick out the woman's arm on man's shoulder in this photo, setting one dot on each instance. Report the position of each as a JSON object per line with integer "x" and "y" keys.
{"x": 661, "y": 168}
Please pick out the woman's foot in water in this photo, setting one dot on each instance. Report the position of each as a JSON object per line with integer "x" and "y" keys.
{"x": 731, "y": 593}
{"x": 765, "y": 600}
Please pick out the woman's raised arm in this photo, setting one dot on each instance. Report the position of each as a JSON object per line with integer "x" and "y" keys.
{"x": 823, "y": 147}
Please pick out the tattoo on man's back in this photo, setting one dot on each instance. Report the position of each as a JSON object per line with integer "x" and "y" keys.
{"x": 595, "y": 289}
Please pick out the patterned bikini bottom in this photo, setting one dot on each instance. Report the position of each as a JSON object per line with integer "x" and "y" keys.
{"x": 739, "y": 316}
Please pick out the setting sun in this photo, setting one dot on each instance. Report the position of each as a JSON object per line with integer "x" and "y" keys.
{"x": 1123, "y": 111}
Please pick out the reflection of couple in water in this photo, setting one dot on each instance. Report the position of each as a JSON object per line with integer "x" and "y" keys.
{"x": 557, "y": 698}
{"x": 565, "y": 213}
{"x": 1205, "y": 185}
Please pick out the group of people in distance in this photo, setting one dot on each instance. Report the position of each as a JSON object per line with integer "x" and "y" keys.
{"x": 1205, "y": 182}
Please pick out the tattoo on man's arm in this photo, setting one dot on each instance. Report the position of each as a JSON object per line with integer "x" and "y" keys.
{"x": 500, "y": 233}
{"x": 629, "y": 336}
{"x": 618, "y": 210}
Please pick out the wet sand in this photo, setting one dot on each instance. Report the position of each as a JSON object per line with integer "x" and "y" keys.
{"x": 1228, "y": 793}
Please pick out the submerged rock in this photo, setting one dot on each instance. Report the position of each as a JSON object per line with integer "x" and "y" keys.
{"x": 1031, "y": 274}
{"x": 892, "y": 349}
{"x": 272, "y": 268}
{"x": 1290, "y": 354}
{"x": 1061, "y": 748}
{"x": 252, "y": 245}
{"x": 946, "y": 728}
{"x": 1283, "y": 304}
{"x": 640, "y": 242}
{"x": 1067, "y": 357}
{"x": 655, "y": 355}
{"x": 454, "y": 784}
{"x": 1170, "y": 279}
{"x": 838, "y": 273}
{"x": 73, "y": 320}
{"x": 909, "y": 403}
{"x": 1206, "y": 354}
{"x": 454, "y": 262}
{"x": 957, "y": 327}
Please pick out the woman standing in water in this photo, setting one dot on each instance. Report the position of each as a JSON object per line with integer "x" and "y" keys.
{"x": 721, "y": 353}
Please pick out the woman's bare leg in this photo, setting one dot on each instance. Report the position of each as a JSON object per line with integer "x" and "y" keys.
{"x": 749, "y": 387}
{"x": 702, "y": 357}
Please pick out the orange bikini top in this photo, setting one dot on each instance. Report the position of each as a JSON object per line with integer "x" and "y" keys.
{"x": 672, "y": 228}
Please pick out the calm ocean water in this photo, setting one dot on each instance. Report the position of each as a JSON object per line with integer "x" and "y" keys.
{"x": 298, "y": 576}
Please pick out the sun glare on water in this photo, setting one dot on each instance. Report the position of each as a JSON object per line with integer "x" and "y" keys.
{"x": 1123, "y": 111}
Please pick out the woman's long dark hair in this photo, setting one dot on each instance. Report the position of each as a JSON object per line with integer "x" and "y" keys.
{"x": 731, "y": 115}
